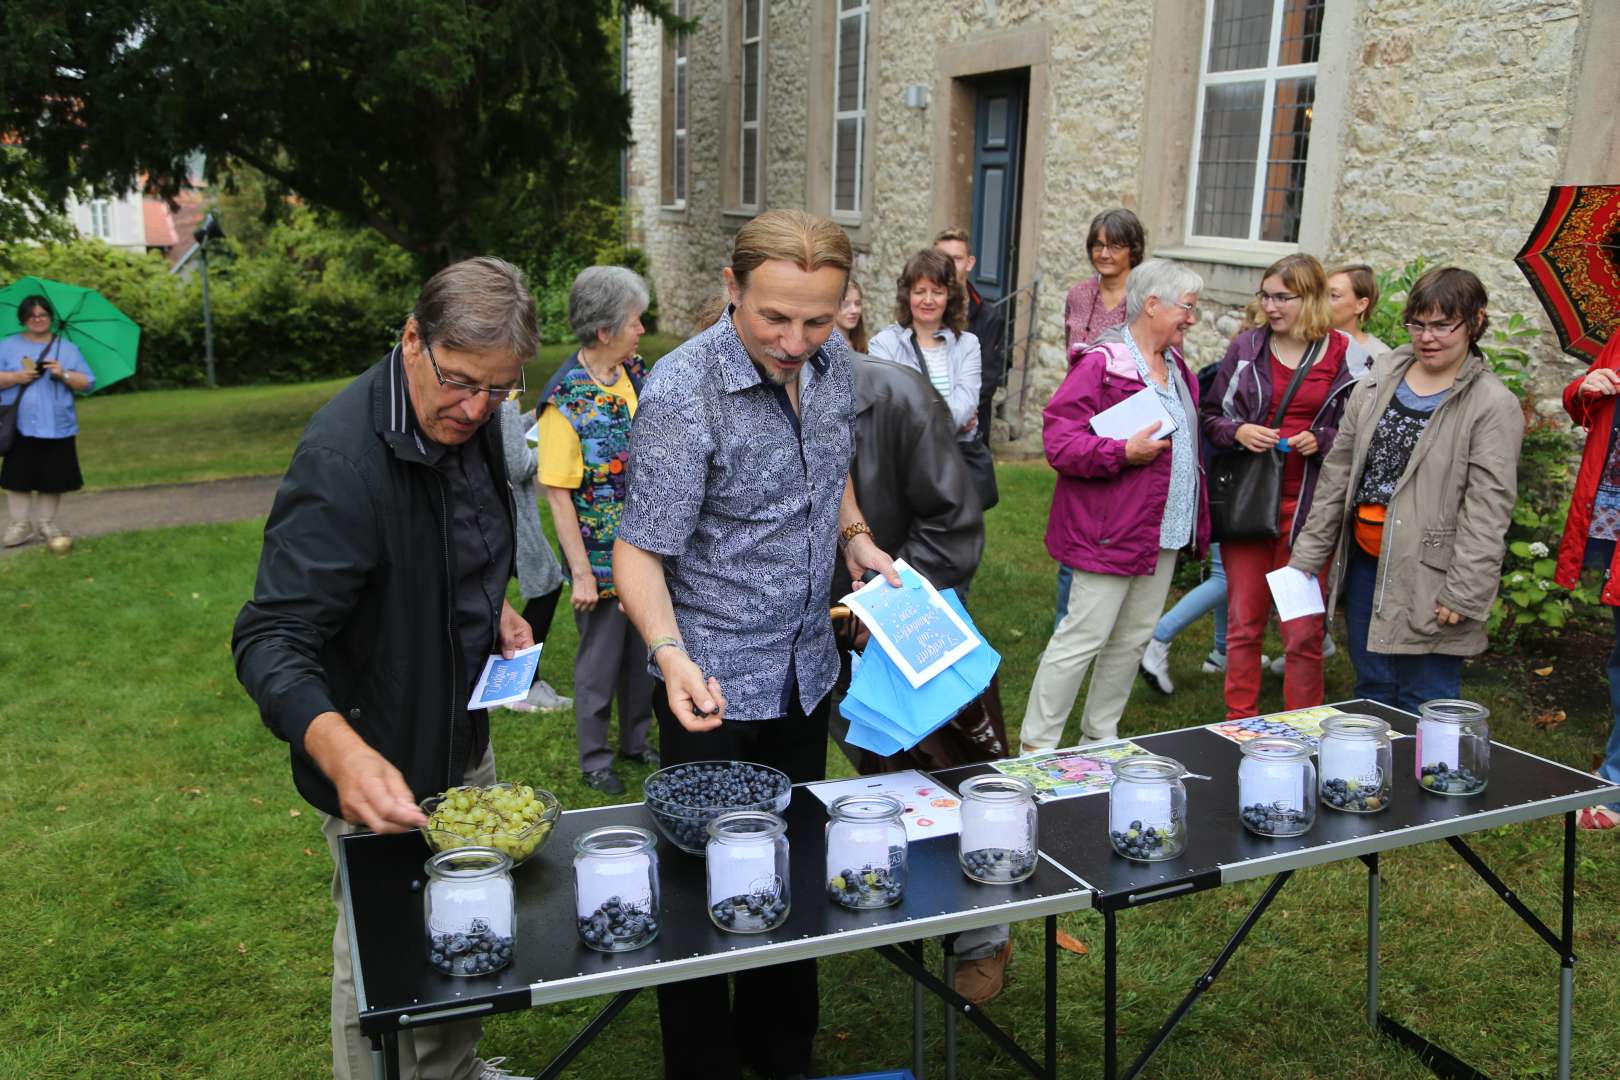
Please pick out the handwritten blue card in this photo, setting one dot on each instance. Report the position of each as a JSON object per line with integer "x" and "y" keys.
{"x": 505, "y": 680}
{"x": 916, "y": 628}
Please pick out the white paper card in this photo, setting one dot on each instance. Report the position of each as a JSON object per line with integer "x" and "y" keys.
{"x": 457, "y": 904}
{"x": 1136, "y": 412}
{"x": 1295, "y": 593}
{"x": 505, "y": 680}
{"x": 624, "y": 876}
{"x": 532, "y": 436}
{"x": 1271, "y": 784}
{"x": 930, "y": 809}
{"x": 742, "y": 870}
{"x": 1437, "y": 743}
{"x": 913, "y": 624}
{"x": 1351, "y": 759}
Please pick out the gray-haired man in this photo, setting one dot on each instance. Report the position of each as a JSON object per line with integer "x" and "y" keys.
{"x": 381, "y": 590}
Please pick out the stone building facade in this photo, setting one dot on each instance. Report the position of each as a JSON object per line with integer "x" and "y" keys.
{"x": 1434, "y": 129}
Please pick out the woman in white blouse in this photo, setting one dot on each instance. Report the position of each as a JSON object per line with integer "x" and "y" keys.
{"x": 930, "y": 335}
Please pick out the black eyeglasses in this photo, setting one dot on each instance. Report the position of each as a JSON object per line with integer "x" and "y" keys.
{"x": 494, "y": 393}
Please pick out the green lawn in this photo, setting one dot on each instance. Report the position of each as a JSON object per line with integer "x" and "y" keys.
{"x": 167, "y": 886}
{"x": 179, "y": 436}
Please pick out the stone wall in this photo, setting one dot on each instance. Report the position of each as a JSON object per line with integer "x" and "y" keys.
{"x": 1456, "y": 119}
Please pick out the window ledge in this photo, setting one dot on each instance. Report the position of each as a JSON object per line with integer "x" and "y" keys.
{"x": 1231, "y": 275}
{"x": 1237, "y": 257}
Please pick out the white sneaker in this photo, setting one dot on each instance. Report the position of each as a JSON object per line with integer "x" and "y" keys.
{"x": 49, "y": 530}
{"x": 1275, "y": 666}
{"x": 1214, "y": 663}
{"x": 543, "y": 697}
{"x": 1328, "y": 648}
{"x": 18, "y": 533}
{"x": 1156, "y": 665}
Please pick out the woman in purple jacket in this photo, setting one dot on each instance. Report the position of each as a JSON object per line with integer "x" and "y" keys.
{"x": 1123, "y": 508}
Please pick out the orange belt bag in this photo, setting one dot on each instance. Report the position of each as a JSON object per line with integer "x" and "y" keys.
{"x": 1370, "y": 527}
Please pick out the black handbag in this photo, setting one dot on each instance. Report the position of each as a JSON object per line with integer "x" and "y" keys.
{"x": 981, "y": 464}
{"x": 8, "y": 413}
{"x": 1245, "y": 488}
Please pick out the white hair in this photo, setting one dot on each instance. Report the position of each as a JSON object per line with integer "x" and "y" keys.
{"x": 1164, "y": 278}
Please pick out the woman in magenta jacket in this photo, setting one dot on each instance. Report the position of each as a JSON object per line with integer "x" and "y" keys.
{"x": 1123, "y": 508}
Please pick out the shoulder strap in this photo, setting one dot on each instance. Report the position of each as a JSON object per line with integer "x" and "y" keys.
{"x": 1306, "y": 362}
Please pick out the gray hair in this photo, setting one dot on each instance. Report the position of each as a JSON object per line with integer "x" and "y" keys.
{"x": 1164, "y": 278}
{"x": 605, "y": 298}
{"x": 480, "y": 305}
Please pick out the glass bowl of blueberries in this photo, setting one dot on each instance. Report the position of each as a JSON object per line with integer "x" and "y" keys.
{"x": 683, "y": 799}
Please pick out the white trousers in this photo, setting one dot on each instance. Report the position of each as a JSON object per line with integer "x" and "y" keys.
{"x": 436, "y": 1052}
{"x": 1109, "y": 622}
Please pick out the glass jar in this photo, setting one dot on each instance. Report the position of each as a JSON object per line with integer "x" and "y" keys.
{"x": 997, "y": 845}
{"x": 747, "y": 867}
{"x": 469, "y": 910}
{"x": 1147, "y": 808}
{"x": 866, "y": 851}
{"x": 616, "y": 888}
{"x": 1277, "y": 786}
{"x": 1453, "y": 747}
{"x": 1354, "y": 759}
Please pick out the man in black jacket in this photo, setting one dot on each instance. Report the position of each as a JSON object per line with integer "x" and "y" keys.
{"x": 985, "y": 322}
{"x": 381, "y": 592}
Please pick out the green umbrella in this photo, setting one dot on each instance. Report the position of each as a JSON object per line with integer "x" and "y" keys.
{"x": 107, "y": 337}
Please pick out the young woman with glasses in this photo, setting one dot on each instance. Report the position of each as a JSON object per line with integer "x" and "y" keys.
{"x": 1290, "y": 332}
{"x": 1415, "y": 498}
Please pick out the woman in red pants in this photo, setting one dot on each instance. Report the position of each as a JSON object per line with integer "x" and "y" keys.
{"x": 1291, "y": 341}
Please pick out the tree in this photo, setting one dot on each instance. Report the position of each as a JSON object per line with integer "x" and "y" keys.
{"x": 25, "y": 212}
{"x": 409, "y": 116}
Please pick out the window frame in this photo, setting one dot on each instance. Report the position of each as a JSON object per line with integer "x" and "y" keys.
{"x": 101, "y": 219}
{"x": 675, "y": 158}
{"x": 1268, "y": 76}
{"x": 863, "y": 11}
{"x": 756, "y": 125}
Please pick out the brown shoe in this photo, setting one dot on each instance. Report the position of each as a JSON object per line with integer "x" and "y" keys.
{"x": 981, "y": 980}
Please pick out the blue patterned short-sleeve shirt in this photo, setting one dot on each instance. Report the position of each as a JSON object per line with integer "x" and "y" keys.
{"x": 742, "y": 503}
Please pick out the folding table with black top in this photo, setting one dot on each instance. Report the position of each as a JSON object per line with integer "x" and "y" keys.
{"x": 398, "y": 990}
{"x": 1522, "y": 787}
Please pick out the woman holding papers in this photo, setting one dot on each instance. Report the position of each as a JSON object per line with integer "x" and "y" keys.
{"x": 1281, "y": 386}
{"x": 1415, "y": 499}
{"x": 1124, "y": 506}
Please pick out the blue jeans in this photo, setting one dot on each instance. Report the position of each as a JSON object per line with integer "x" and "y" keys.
{"x": 1401, "y": 680}
{"x": 1065, "y": 580}
{"x": 1599, "y": 555}
{"x": 1208, "y": 595}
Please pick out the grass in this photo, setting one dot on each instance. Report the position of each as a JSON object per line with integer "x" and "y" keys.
{"x": 167, "y": 888}
{"x": 183, "y": 436}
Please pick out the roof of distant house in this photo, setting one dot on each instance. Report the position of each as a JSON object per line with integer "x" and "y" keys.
{"x": 159, "y": 224}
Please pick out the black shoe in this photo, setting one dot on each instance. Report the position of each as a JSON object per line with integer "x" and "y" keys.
{"x": 605, "y": 781}
{"x": 648, "y": 757}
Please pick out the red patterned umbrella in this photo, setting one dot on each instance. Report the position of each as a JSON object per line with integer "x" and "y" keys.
{"x": 1573, "y": 262}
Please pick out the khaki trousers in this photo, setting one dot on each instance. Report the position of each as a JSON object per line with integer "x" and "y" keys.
{"x": 438, "y": 1052}
{"x": 1109, "y": 621}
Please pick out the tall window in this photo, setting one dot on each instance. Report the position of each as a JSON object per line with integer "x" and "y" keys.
{"x": 675, "y": 95}
{"x": 748, "y": 149}
{"x": 1257, "y": 91}
{"x": 849, "y": 107}
{"x": 100, "y": 218}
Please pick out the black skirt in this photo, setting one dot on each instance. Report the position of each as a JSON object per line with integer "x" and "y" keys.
{"x": 49, "y": 466}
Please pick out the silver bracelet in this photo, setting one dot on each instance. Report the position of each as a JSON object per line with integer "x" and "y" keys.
{"x": 663, "y": 643}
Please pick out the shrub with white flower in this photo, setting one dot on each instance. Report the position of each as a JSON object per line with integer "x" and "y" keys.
{"x": 1538, "y": 550}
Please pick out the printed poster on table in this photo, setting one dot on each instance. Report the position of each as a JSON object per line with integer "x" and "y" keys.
{"x": 913, "y": 625}
{"x": 930, "y": 809}
{"x": 506, "y": 680}
{"x": 1302, "y": 724}
{"x": 1063, "y": 774}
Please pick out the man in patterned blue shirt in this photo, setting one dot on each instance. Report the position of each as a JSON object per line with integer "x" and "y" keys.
{"x": 738, "y": 499}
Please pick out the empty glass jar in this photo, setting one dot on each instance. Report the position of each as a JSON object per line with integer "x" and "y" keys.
{"x": 866, "y": 851}
{"x": 997, "y": 845}
{"x": 468, "y": 907}
{"x": 616, "y": 888}
{"x": 1355, "y": 764}
{"x": 1147, "y": 808}
{"x": 747, "y": 867}
{"x": 1453, "y": 747}
{"x": 1277, "y": 786}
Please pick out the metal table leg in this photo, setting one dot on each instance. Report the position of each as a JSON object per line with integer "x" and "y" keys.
{"x": 950, "y": 1016}
{"x": 1110, "y": 990}
{"x": 1372, "y": 939}
{"x": 1566, "y": 969}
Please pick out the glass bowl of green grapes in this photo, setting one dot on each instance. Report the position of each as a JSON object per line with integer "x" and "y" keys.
{"x": 510, "y": 817}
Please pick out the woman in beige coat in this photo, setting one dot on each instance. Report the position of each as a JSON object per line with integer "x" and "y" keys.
{"x": 1415, "y": 498}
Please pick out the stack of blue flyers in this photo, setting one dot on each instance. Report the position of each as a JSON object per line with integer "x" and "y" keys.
{"x": 887, "y": 715}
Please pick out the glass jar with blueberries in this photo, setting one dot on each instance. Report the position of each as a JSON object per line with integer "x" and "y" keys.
{"x": 747, "y": 869}
{"x": 1354, "y": 764}
{"x": 1277, "y": 786}
{"x": 1453, "y": 747}
{"x": 1147, "y": 808}
{"x": 999, "y": 839}
{"x": 866, "y": 851}
{"x": 469, "y": 907}
{"x": 616, "y": 888}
